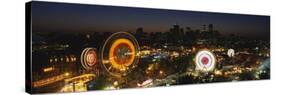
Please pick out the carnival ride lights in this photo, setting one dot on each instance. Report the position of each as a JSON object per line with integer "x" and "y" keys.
{"x": 88, "y": 58}
{"x": 205, "y": 60}
{"x": 119, "y": 54}
{"x": 230, "y": 52}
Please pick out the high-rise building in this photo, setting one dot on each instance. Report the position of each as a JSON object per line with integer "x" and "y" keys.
{"x": 204, "y": 28}
{"x": 176, "y": 34}
{"x": 210, "y": 28}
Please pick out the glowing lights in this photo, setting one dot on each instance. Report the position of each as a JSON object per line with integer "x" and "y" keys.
{"x": 218, "y": 72}
{"x": 161, "y": 72}
{"x": 115, "y": 83}
{"x": 120, "y": 53}
{"x": 109, "y": 88}
{"x": 205, "y": 61}
{"x": 77, "y": 83}
{"x": 50, "y": 60}
{"x": 66, "y": 59}
{"x": 47, "y": 81}
{"x": 88, "y": 58}
{"x": 146, "y": 83}
{"x": 84, "y": 77}
{"x": 230, "y": 53}
{"x": 66, "y": 74}
{"x": 63, "y": 59}
{"x": 74, "y": 87}
{"x": 48, "y": 69}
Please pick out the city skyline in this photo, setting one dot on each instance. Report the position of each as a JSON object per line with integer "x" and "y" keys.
{"x": 74, "y": 18}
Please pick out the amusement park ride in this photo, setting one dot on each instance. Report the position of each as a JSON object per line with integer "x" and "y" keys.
{"x": 116, "y": 57}
{"x": 120, "y": 54}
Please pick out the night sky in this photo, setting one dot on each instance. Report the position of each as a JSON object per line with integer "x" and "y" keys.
{"x": 75, "y": 18}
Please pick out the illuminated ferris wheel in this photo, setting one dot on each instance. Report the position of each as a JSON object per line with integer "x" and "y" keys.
{"x": 205, "y": 60}
{"x": 119, "y": 54}
{"x": 89, "y": 58}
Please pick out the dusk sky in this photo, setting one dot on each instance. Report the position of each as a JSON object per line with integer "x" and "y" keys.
{"x": 59, "y": 17}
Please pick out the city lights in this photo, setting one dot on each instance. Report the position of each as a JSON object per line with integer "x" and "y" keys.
{"x": 144, "y": 52}
{"x": 48, "y": 69}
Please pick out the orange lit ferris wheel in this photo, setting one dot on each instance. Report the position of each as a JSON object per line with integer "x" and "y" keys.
{"x": 119, "y": 54}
